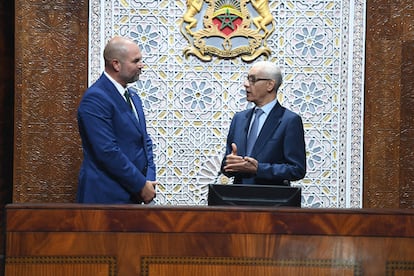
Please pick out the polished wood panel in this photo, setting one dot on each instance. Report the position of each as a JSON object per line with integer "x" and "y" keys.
{"x": 389, "y": 97}
{"x": 137, "y": 218}
{"x": 67, "y": 266}
{"x": 51, "y": 75}
{"x": 154, "y": 240}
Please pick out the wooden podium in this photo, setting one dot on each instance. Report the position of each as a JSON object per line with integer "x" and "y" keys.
{"x": 89, "y": 240}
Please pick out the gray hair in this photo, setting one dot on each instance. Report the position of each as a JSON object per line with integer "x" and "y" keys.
{"x": 271, "y": 71}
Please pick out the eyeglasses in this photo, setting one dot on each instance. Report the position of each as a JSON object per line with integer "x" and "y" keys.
{"x": 252, "y": 79}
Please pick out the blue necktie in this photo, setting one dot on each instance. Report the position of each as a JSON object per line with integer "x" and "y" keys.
{"x": 251, "y": 139}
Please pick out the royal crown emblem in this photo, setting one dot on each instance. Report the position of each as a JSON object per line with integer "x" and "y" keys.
{"x": 227, "y": 28}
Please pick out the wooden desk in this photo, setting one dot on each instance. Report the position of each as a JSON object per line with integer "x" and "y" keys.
{"x": 88, "y": 240}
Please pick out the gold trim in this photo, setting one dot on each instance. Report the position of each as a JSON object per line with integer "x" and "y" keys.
{"x": 110, "y": 260}
{"x": 393, "y": 267}
{"x": 146, "y": 261}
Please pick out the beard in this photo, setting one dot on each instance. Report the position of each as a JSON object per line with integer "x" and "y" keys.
{"x": 133, "y": 78}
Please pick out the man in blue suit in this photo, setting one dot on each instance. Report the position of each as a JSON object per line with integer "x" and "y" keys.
{"x": 118, "y": 165}
{"x": 276, "y": 155}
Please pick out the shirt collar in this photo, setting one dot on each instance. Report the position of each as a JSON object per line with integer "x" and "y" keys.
{"x": 118, "y": 86}
{"x": 268, "y": 107}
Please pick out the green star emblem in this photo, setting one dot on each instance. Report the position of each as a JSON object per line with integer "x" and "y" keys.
{"x": 227, "y": 20}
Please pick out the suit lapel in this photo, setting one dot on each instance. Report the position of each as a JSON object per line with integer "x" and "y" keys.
{"x": 269, "y": 127}
{"x": 138, "y": 107}
{"x": 245, "y": 128}
{"x": 136, "y": 101}
{"x": 120, "y": 102}
{"x": 134, "y": 120}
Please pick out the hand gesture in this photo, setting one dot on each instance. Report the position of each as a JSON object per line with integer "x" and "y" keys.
{"x": 235, "y": 163}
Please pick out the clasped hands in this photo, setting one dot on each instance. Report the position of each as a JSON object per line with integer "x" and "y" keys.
{"x": 147, "y": 193}
{"x": 239, "y": 164}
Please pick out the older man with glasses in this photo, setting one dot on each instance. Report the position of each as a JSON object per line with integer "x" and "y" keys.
{"x": 265, "y": 144}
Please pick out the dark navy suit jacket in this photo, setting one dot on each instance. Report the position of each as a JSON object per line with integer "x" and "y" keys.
{"x": 117, "y": 151}
{"x": 279, "y": 148}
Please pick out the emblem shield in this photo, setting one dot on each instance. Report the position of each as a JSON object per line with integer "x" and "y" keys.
{"x": 227, "y": 28}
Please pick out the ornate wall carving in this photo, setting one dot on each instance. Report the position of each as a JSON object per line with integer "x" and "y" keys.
{"x": 189, "y": 103}
{"x": 51, "y": 75}
{"x": 389, "y": 125}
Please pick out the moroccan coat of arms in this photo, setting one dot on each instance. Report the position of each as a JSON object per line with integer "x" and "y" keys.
{"x": 227, "y": 28}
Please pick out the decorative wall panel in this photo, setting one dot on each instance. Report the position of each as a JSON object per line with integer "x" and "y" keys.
{"x": 189, "y": 103}
{"x": 389, "y": 91}
{"x": 50, "y": 77}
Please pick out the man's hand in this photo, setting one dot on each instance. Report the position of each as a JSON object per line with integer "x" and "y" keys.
{"x": 147, "y": 194}
{"x": 251, "y": 165}
{"x": 235, "y": 163}
{"x": 233, "y": 149}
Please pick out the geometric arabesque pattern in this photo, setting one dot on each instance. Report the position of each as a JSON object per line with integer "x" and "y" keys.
{"x": 189, "y": 103}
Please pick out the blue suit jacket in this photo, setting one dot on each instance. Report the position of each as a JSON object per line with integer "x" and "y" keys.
{"x": 279, "y": 148}
{"x": 117, "y": 151}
